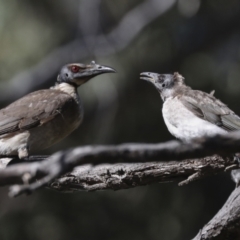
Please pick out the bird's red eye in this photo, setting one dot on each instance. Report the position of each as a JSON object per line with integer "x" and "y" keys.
{"x": 75, "y": 68}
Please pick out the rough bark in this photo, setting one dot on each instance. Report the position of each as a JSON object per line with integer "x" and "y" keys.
{"x": 134, "y": 165}
{"x": 129, "y": 175}
{"x": 63, "y": 162}
{"x": 225, "y": 225}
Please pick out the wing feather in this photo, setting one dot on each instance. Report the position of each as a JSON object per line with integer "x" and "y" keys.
{"x": 32, "y": 110}
{"x": 209, "y": 108}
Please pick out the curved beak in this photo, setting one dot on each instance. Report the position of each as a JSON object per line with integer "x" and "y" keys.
{"x": 94, "y": 69}
{"x": 88, "y": 71}
{"x": 149, "y": 76}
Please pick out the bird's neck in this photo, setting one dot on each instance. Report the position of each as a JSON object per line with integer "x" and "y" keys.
{"x": 173, "y": 92}
{"x": 69, "y": 89}
{"x": 166, "y": 93}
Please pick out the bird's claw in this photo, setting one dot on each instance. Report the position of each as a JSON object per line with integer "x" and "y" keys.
{"x": 236, "y": 159}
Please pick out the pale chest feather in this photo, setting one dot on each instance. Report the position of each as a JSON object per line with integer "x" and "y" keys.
{"x": 72, "y": 91}
{"x": 69, "y": 89}
{"x": 183, "y": 124}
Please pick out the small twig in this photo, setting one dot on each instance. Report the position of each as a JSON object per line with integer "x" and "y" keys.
{"x": 195, "y": 176}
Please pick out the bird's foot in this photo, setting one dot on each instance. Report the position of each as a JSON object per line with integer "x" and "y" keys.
{"x": 236, "y": 158}
{"x": 235, "y": 174}
{"x": 23, "y": 152}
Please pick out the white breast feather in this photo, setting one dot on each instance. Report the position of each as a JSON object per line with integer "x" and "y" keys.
{"x": 184, "y": 124}
{"x": 69, "y": 89}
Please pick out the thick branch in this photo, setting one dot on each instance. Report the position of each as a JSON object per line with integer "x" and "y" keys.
{"x": 62, "y": 162}
{"x": 226, "y": 223}
{"x": 122, "y": 176}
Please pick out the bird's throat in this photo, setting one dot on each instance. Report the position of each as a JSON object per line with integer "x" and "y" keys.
{"x": 69, "y": 89}
{"x": 167, "y": 93}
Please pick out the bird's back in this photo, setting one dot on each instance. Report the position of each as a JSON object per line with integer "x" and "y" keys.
{"x": 47, "y": 115}
{"x": 211, "y": 109}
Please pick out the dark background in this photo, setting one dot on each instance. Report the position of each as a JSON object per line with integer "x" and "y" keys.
{"x": 199, "y": 39}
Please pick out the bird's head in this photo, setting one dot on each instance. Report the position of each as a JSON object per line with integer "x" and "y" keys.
{"x": 78, "y": 73}
{"x": 164, "y": 83}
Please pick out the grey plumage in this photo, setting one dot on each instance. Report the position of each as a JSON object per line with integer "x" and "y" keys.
{"x": 209, "y": 108}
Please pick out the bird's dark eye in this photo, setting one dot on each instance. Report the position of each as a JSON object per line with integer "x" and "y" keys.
{"x": 163, "y": 85}
{"x": 75, "y": 68}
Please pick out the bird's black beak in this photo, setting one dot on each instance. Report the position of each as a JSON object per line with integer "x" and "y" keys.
{"x": 94, "y": 69}
{"x": 89, "y": 71}
{"x": 149, "y": 76}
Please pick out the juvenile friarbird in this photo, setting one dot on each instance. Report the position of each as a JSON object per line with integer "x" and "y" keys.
{"x": 190, "y": 113}
{"x": 42, "y": 118}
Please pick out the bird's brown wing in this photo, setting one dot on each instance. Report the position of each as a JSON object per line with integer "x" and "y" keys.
{"x": 209, "y": 108}
{"x": 32, "y": 110}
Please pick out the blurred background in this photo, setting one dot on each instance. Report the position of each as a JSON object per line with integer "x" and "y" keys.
{"x": 199, "y": 39}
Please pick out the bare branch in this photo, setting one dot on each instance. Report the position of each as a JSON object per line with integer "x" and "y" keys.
{"x": 62, "y": 162}
{"x": 226, "y": 223}
{"x": 122, "y": 176}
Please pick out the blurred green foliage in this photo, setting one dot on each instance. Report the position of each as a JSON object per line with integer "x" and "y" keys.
{"x": 199, "y": 39}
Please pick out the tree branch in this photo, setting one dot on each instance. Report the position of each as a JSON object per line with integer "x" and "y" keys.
{"x": 226, "y": 223}
{"x": 63, "y": 162}
{"x": 140, "y": 170}
{"x": 123, "y": 176}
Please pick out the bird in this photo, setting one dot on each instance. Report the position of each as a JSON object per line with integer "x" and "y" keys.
{"x": 42, "y": 118}
{"x": 190, "y": 114}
